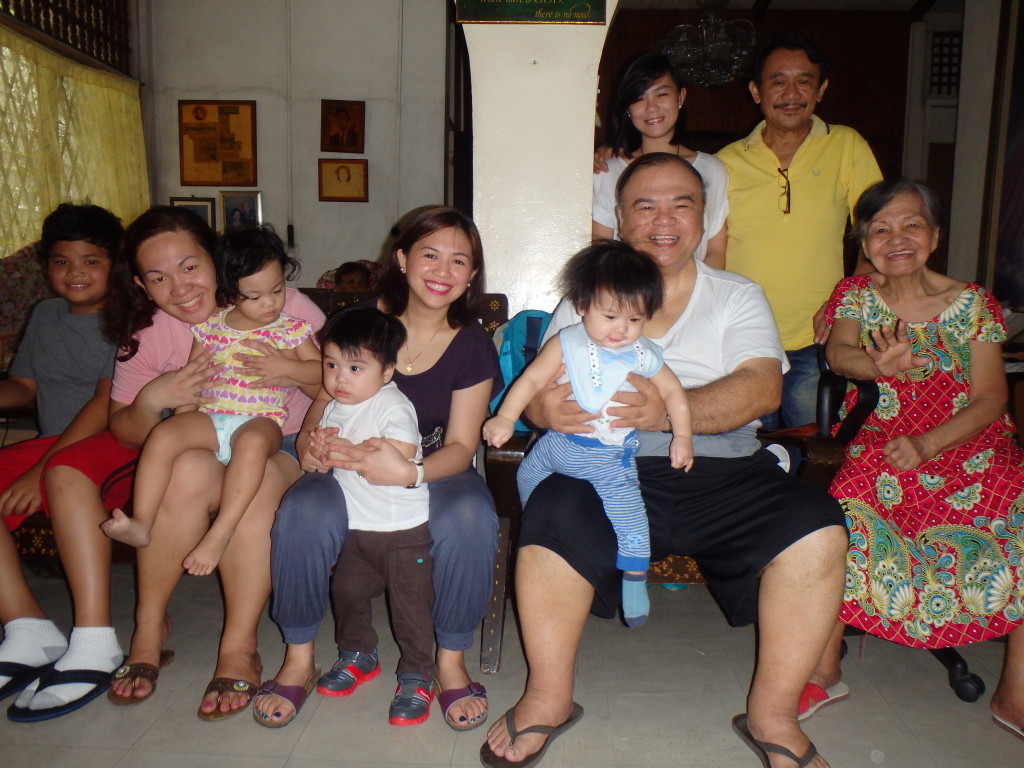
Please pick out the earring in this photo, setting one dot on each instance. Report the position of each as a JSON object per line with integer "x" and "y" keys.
{"x": 468, "y": 284}
{"x": 403, "y": 270}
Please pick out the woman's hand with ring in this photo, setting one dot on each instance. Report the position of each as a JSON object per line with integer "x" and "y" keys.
{"x": 893, "y": 351}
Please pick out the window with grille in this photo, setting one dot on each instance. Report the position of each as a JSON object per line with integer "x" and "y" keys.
{"x": 945, "y": 64}
{"x": 98, "y": 28}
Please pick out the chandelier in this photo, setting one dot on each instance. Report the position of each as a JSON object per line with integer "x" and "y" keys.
{"x": 715, "y": 51}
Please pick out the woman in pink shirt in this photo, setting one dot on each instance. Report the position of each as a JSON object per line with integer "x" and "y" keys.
{"x": 172, "y": 286}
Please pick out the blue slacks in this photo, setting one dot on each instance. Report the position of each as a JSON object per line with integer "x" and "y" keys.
{"x": 310, "y": 529}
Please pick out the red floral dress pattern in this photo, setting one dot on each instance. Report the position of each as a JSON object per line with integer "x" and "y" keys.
{"x": 936, "y": 553}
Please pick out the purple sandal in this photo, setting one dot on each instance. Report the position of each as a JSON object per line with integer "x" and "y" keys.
{"x": 471, "y": 691}
{"x": 295, "y": 694}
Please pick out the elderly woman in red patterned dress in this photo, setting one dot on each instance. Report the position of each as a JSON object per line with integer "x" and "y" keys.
{"x": 933, "y": 483}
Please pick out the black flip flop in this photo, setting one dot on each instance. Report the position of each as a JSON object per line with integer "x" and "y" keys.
{"x": 491, "y": 760}
{"x": 762, "y": 748}
{"x": 51, "y": 677}
{"x": 21, "y": 675}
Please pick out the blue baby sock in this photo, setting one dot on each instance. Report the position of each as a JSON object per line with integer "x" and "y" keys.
{"x": 635, "y": 603}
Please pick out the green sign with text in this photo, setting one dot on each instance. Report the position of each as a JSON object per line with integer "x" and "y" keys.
{"x": 530, "y": 11}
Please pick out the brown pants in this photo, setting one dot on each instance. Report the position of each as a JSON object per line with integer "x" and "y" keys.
{"x": 399, "y": 561}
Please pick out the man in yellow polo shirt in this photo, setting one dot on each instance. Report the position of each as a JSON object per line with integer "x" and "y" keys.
{"x": 793, "y": 183}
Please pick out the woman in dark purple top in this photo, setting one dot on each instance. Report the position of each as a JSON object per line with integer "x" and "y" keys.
{"x": 449, "y": 369}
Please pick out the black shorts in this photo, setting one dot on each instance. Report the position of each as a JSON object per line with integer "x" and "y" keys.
{"x": 733, "y": 516}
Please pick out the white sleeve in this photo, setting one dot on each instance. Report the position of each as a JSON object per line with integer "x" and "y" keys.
{"x": 396, "y": 420}
{"x": 750, "y": 329}
{"x": 604, "y": 199}
{"x": 716, "y": 204}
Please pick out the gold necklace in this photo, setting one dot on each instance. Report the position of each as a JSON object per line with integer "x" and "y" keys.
{"x": 412, "y": 360}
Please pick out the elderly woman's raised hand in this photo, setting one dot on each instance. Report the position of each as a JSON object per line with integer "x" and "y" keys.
{"x": 893, "y": 351}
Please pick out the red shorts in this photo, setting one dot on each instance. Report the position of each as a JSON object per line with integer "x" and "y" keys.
{"x": 103, "y": 460}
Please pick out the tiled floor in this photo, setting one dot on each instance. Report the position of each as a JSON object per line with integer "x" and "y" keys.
{"x": 659, "y": 695}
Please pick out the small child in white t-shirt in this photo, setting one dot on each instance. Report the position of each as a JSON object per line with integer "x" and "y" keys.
{"x": 388, "y": 543}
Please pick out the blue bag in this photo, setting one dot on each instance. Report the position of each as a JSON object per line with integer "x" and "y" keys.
{"x": 518, "y": 342}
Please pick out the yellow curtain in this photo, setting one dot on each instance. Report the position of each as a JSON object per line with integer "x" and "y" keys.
{"x": 68, "y": 133}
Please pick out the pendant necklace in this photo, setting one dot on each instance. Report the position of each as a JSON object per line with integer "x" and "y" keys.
{"x": 412, "y": 360}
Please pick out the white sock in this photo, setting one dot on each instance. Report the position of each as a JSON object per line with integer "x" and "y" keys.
{"x": 34, "y": 642}
{"x": 89, "y": 648}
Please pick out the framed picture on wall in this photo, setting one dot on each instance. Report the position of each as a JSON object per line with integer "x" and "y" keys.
{"x": 344, "y": 181}
{"x": 342, "y": 126}
{"x": 240, "y": 209}
{"x": 217, "y": 143}
{"x": 203, "y": 207}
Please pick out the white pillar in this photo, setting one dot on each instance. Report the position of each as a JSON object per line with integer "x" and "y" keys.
{"x": 974, "y": 113}
{"x": 534, "y": 96}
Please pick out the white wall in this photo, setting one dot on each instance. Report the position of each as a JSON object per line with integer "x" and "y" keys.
{"x": 287, "y": 55}
{"x": 534, "y": 90}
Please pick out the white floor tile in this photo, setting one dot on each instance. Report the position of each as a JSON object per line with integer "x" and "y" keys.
{"x": 662, "y": 694}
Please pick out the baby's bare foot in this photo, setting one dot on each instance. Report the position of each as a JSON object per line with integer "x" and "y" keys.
{"x": 122, "y": 528}
{"x": 202, "y": 560}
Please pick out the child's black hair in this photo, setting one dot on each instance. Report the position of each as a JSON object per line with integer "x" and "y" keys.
{"x": 610, "y": 266}
{"x": 366, "y": 328}
{"x": 243, "y": 252}
{"x": 352, "y": 268}
{"x": 90, "y": 223}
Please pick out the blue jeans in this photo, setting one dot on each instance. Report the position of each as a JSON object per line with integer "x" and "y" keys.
{"x": 310, "y": 529}
{"x": 799, "y": 391}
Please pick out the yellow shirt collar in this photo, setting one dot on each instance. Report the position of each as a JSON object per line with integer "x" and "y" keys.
{"x": 819, "y": 128}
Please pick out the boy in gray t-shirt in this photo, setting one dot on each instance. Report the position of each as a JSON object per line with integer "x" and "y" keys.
{"x": 64, "y": 364}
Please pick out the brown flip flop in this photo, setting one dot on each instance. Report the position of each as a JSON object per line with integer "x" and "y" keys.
{"x": 762, "y": 748}
{"x": 141, "y": 671}
{"x": 488, "y": 758}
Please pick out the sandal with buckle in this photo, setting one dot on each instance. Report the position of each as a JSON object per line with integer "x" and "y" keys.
{"x": 295, "y": 695}
{"x": 352, "y": 669}
{"x": 139, "y": 671}
{"x": 447, "y": 698}
{"x": 222, "y": 685}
